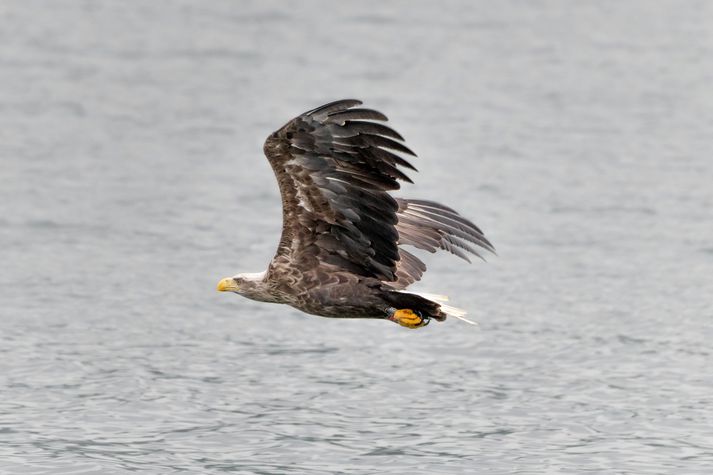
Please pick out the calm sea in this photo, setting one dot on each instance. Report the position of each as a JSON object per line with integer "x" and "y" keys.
{"x": 576, "y": 134}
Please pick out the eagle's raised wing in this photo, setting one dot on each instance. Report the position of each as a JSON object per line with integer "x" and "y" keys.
{"x": 335, "y": 166}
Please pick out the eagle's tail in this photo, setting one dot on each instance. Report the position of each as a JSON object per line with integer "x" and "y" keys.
{"x": 441, "y": 300}
{"x": 431, "y": 305}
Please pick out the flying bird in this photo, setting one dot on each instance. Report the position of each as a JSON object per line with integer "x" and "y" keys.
{"x": 341, "y": 253}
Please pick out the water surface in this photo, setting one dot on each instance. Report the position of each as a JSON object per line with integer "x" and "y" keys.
{"x": 577, "y": 135}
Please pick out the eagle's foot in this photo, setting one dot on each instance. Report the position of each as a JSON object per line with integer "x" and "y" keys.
{"x": 408, "y": 318}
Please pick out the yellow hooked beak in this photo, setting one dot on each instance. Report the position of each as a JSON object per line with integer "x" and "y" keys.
{"x": 227, "y": 285}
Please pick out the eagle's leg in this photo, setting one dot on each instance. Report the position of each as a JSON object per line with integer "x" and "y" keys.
{"x": 407, "y": 318}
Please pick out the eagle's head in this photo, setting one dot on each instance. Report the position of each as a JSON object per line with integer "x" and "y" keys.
{"x": 247, "y": 285}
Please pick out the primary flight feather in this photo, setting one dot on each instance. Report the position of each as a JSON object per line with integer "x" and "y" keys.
{"x": 340, "y": 254}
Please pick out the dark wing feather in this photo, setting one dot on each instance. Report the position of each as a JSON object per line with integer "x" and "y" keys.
{"x": 409, "y": 269}
{"x": 431, "y": 226}
{"x": 335, "y": 169}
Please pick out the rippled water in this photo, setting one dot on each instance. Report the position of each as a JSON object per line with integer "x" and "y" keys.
{"x": 132, "y": 179}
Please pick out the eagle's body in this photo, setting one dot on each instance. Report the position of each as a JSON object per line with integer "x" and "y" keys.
{"x": 340, "y": 252}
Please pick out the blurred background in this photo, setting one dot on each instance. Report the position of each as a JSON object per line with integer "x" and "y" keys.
{"x": 576, "y": 134}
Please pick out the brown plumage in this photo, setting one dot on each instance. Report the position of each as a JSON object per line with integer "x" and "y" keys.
{"x": 340, "y": 251}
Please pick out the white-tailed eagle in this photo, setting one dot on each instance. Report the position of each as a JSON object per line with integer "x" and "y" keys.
{"x": 341, "y": 251}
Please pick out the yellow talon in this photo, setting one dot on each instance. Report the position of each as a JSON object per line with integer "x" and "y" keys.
{"x": 408, "y": 318}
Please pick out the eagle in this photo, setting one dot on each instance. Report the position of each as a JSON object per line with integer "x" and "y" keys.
{"x": 341, "y": 253}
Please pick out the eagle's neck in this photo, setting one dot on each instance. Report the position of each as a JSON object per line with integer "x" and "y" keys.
{"x": 255, "y": 277}
{"x": 254, "y": 287}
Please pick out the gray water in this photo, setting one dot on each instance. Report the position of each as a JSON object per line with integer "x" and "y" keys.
{"x": 576, "y": 134}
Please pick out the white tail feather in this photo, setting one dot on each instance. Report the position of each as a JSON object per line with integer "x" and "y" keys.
{"x": 435, "y": 297}
{"x": 455, "y": 312}
{"x": 463, "y": 319}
